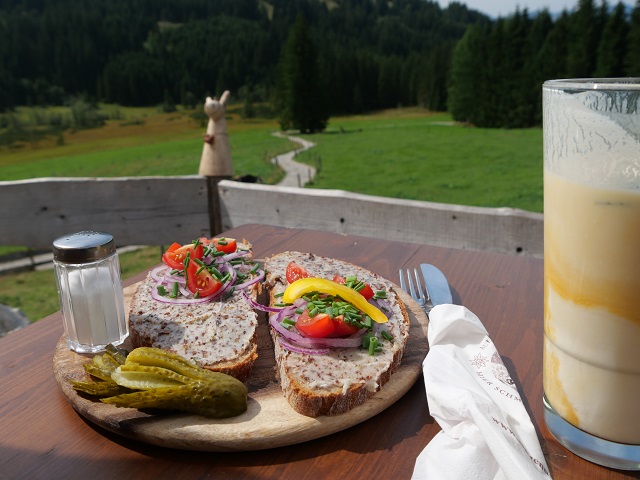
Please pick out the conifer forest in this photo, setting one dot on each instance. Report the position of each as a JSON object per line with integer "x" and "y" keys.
{"x": 363, "y": 55}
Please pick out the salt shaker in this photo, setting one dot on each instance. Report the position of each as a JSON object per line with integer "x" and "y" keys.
{"x": 90, "y": 291}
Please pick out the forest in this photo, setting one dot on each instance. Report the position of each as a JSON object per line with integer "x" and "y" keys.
{"x": 371, "y": 54}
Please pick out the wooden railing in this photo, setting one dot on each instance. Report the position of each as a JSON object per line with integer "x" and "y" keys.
{"x": 161, "y": 210}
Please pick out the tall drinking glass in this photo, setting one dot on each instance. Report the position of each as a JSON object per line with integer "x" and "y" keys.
{"x": 592, "y": 267}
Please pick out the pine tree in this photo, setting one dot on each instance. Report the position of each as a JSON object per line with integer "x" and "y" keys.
{"x": 301, "y": 102}
{"x": 468, "y": 69}
{"x": 586, "y": 27}
{"x": 632, "y": 58}
{"x": 613, "y": 45}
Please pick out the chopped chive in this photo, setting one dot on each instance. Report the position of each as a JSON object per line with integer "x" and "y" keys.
{"x": 282, "y": 304}
{"x": 380, "y": 294}
{"x": 255, "y": 268}
{"x": 203, "y": 267}
{"x": 197, "y": 294}
{"x": 373, "y": 343}
{"x": 222, "y": 241}
{"x": 215, "y": 272}
{"x": 288, "y": 321}
{"x": 229, "y": 293}
{"x": 174, "y": 291}
{"x": 299, "y": 311}
{"x": 365, "y": 341}
{"x": 199, "y": 262}
{"x": 279, "y": 294}
{"x": 387, "y": 335}
{"x": 162, "y": 291}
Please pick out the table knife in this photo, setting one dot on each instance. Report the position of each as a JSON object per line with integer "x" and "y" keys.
{"x": 436, "y": 284}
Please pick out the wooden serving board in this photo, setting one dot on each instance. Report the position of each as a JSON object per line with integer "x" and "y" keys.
{"x": 269, "y": 420}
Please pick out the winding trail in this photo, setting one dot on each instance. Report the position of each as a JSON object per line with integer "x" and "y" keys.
{"x": 296, "y": 174}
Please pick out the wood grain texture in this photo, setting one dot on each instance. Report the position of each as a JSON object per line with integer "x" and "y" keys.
{"x": 135, "y": 210}
{"x": 43, "y": 437}
{"x": 157, "y": 211}
{"x": 269, "y": 420}
{"x": 504, "y": 230}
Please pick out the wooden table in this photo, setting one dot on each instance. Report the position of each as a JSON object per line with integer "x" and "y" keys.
{"x": 41, "y": 435}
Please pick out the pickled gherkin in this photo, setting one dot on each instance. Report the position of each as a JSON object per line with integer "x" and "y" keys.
{"x": 169, "y": 360}
{"x": 151, "y": 378}
{"x": 100, "y": 389}
{"x": 142, "y": 377}
{"x": 211, "y": 399}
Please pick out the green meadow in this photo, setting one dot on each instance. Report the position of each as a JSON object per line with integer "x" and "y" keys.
{"x": 404, "y": 153}
{"x": 427, "y": 157}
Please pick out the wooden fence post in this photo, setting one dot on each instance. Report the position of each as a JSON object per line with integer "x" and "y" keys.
{"x": 215, "y": 216}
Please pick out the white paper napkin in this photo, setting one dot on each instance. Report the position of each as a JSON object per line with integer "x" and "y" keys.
{"x": 486, "y": 431}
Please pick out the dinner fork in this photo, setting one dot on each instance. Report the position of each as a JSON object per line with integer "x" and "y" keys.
{"x": 418, "y": 293}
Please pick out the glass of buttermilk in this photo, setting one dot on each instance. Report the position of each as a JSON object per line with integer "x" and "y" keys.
{"x": 592, "y": 267}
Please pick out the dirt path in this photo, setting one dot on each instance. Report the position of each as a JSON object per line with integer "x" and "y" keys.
{"x": 296, "y": 173}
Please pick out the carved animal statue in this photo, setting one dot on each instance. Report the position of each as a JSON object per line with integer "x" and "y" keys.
{"x": 216, "y": 153}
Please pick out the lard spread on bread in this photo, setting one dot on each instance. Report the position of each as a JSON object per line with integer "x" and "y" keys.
{"x": 324, "y": 376}
{"x": 217, "y": 331}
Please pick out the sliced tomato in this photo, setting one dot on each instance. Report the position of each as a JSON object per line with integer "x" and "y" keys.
{"x": 320, "y": 326}
{"x": 226, "y": 245}
{"x": 342, "y": 329}
{"x": 296, "y": 272}
{"x": 222, "y": 244}
{"x": 202, "y": 282}
{"x": 175, "y": 254}
{"x": 366, "y": 291}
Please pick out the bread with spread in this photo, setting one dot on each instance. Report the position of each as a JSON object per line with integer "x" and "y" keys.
{"x": 217, "y": 329}
{"x": 325, "y": 371}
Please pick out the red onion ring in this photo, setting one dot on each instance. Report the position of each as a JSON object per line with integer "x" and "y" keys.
{"x": 259, "y": 306}
{"x": 178, "y": 301}
{"x": 298, "y": 349}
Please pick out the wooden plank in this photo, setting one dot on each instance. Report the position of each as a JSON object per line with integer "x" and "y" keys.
{"x": 160, "y": 210}
{"x": 502, "y": 230}
{"x": 136, "y": 210}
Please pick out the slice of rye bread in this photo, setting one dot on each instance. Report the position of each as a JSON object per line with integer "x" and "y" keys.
{"x": 336, "y": 382}
{"x": 219, "y": 335}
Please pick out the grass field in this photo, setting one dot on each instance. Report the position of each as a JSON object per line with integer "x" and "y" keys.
{"x": 406, "y": 153}
{"x": 426, "y": 157}
{"x": 145, "y": 143}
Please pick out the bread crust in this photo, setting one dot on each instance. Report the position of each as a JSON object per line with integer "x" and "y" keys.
{"x": 305, "y": 395}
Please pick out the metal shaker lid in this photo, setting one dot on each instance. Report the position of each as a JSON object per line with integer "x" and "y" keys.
{"x": 83, "y": 247}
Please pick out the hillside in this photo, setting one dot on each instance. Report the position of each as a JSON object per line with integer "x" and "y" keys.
{"x": 374, "y": 54}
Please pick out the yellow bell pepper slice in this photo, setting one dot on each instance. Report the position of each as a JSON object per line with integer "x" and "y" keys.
{"x": 311, "y": 284}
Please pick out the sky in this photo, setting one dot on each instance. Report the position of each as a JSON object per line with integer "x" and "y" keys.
{"x": 504, "y": 8}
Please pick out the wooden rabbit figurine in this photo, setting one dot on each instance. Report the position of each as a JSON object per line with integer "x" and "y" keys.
{"x": 216, "y": 153}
